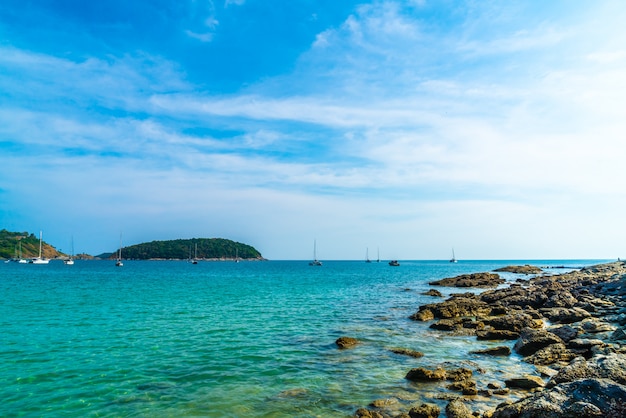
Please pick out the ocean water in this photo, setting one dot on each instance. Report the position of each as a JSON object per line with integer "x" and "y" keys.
{"x": 225, "y": 339}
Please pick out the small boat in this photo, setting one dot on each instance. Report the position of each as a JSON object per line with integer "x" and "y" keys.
{"x": 394, "y": 263}
{"x": 453, "y": 259}
{"x": 367, "y": 256}
{"x": 118, "y": 262}
{"x": 39, "y": 259}
{"x": 195, "y": 255}
{"x": 70, "y": 260}
{"x": 315, "y": 261}
{"x": 378, "y": 255}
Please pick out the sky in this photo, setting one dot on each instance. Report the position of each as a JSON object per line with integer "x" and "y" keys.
{"x": 402, "y": 128}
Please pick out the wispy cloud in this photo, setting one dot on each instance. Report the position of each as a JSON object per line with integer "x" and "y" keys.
{"x": 486, "y": 118}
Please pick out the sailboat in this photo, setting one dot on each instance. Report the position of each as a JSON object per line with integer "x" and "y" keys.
{"x": 315, "y": 261}
{"x": 236, "y": 255}
{"x": 453, "y": 259}
{"x": 195, "y": 255}
{"x": 70, "y": 260}
{"x": 378, "y": 255}
{"x": 118, "y": 262}
{"x": 39, "y": 260}
{"x": 367, "y": 256}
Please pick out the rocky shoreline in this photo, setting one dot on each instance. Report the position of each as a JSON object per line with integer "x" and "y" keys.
{"x": 571, "y": 327}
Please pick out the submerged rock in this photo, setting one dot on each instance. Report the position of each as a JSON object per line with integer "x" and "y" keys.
{"x": 495, "y": 351}
{"x": 346, "y": 342}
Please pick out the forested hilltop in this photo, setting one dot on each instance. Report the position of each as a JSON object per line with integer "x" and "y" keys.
{"x": 207, "y": 249}
{"x": 10, "y": 243}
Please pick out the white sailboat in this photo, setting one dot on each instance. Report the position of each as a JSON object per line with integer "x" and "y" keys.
{"x": 118, "y": 262}
{"x": 453, "y": 259}
{"x": 70, "y": 260}
{"x": 39, "y": 260}
{"x": 195, "y": 255}
{"x": 315, "y": 261}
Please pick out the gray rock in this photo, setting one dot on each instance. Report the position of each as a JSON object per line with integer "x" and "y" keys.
{"x": 582, "y": 398}
{"x": 611, "y": 366}
{"x": 533, "y": 340}
{"x": 525, "y": 382}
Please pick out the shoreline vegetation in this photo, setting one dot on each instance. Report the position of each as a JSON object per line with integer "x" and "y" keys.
{"x": 15, "y": 245}
{"x": 571, "y": 327}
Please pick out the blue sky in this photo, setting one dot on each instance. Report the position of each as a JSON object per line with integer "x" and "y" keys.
{"x": 496, "y": 128}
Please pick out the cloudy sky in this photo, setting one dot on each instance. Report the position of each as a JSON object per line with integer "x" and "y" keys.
{"x": 409, "y": 127}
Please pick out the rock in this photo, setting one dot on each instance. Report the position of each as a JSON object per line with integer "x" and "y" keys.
{"x": 532, "y": 340}
{"x": 565, "y": 332}
{"x": 565, "y": 315}
{"x": 611, "y": 366}
{"x": 366, "y": 413}
{"x": 425, "y": 411}
{"x": 553, "y": 353}
{"x": 582, "y": 398}
{"x": 421, "y": 374}
{"x": 346, "y": 342}
{"x": 515, "y": 296}
{"x": 382, "y": 403}
{"x": 456, "y": 408}
{"x": 470, "y": 280}
{"x": 459, "y": 374}
{"x": 467, "y": 387}
{"x": 514, "y": 322}
{"x": 525, "y": 382}
{"x": 433, "y": 292}
{"x": 496, "y": 334}
{"x": 495, "y": 351}
{"x": 407, "y": 352}
{"x": 526, "y": 269}
{"x": 456, "y": 306}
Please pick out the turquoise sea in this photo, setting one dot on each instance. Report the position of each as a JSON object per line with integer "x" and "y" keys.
{"x": 224, "y": 339}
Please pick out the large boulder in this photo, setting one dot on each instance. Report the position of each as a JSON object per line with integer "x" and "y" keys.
{"x": 514, "y": 322}
{"x": 470, "y": 280}
{"x": 582, "y": 398}
{"x": 525, "y": 269}
{"x": 532, "y": 340}
{"x": 456, "y": 306}
{"x": 611, "y": 366}
{"x": 553, "y": 353}
{"x": 561, "y": 315}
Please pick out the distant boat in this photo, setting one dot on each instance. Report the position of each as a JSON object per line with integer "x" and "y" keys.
{"x": 378, "y": 255}
{"x": 118, "y": 262}
{"x": 367, "y": 256}
{"x": 453, "y": 259}
{"x": 195, "y": 255}
{"x": 236, "y": 255}
{"x": 394, "y": 263}
{"x": 70, "y": 260}
{"x": 39, "y": 260}
{"x": 315, "y": 261}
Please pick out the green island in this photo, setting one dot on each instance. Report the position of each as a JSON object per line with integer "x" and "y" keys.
{"x": 25, "y": 245}
{"x": 179, "y": 249}
{"x": 15, "y": 245}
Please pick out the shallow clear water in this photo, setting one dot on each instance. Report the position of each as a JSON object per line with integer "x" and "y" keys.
{"x": 222, "y": 339}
